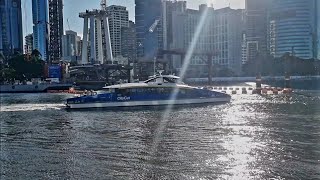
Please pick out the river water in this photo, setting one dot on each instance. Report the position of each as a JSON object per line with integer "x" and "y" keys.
{"x": 252, "y": 137}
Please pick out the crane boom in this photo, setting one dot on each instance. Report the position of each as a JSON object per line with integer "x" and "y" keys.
{"x": 103, "y": 4}
{"x": 68, "y": 24}
{"x": 154, "y": 25}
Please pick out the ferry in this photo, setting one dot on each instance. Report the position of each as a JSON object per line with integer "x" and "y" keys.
{"x": 156, "y": 91}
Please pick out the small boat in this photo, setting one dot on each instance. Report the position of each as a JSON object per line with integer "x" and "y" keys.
{"x": 156, "y": 91}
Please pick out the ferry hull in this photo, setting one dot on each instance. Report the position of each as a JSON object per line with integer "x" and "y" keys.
{"x": 148, "y": 103}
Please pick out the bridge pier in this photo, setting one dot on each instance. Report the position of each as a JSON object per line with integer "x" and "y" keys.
{"x": 258, "y": 84}
{"x": 287, "y": 79}
{"x": 210, "y": 68}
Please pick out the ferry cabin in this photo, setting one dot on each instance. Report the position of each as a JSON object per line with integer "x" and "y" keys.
{"x": 146, "y": 94}
{"x": 160, "y": 90}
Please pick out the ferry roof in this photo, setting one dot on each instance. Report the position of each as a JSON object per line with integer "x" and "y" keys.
{"x": 170, "y": 76}
{"x": 167, "y": 76}
{"x": 150, "y": 83}
{"x": 143, "y": 84}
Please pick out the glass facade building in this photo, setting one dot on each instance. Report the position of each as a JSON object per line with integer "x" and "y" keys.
{"x": 294, "y": 28}
{"x": 148, "y": 28}
{"x": 40, "y": 27}
{"x": 11, "y": 38}
{"x": 256, "y": 19}
{"x": 69, "y": 45}
{"x": 221, "y": 32}
{"x": 128, "y": 42}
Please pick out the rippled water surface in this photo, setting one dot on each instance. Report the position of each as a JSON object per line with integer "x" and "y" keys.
{"x": 253, "y": 137}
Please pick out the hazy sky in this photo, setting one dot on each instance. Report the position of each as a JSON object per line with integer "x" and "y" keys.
{"x": 73, "y": 7}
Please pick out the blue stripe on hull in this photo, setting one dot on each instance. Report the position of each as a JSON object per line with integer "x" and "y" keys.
{"x": 113, "y": 97}
{"x": 147, "y": 103}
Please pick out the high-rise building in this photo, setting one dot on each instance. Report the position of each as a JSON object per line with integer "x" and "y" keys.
{"x": 79, "y": 45}
{"x": 11, "y": 38}
{"x": 256, "y": 28}
{"x": 168, "y": 8}
{"x": 184, "y": 25}
{"x": 316, "y": 34}
{"x": 244, "y": 49}
{"x": 148, "y": 28}
{"x": 228, "y": 30}
{"x": 56, "y": 30}
{"x": 69, "y": 45}
{"x": 128, "y": 42}
{"x": 28, "y": 47}
{"x": 295, "y": 28}
{"x": 40, "y": 27}
{"x": 118, "y": 18}
{"x": 221, "y": 32}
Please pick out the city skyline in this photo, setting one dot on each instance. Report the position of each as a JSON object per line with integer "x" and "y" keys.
{"x": 71, "y": 12}
{"x": 170, "y": 34}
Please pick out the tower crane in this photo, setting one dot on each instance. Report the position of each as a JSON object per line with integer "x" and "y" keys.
{"x": 103, "y": 4}
{"x": 68, "y": 24}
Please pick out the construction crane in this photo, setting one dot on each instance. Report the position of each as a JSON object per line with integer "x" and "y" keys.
{"x": 103, "y": 4}
{"x": 68, "y": 24}
{"x": 154, "y": 25}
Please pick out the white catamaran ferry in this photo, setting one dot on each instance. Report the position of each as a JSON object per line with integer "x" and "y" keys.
{"x": 156, "y": 91}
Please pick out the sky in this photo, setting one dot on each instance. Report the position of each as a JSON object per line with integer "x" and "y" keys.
{"x": 73, "y": 7}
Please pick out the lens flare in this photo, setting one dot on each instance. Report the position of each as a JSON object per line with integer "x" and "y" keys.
{"x": 164, "y": 120}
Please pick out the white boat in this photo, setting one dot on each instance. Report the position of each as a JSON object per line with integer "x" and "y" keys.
{"x": 156, "y": 91}
{"x": 32, "y": 88}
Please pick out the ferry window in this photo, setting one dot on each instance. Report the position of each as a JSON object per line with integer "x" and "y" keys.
{"x": 167, "y": 90}
{"x": 140, "y": 90}
{"x": 150, "y": 90}
{"x": 125, "y": 92}
{"x": 107, "y": 90}
{"x": 151, "y": 80}
{"x": 160, "y": 90}
{"x": 153, "y": 90}
{"x": 122, "y": 91}
{"x": 168, "y": 80}
{"x": 133, "y": 90}
{"x": 164, "y": 90}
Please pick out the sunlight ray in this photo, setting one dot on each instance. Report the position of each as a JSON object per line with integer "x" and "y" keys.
{"x": 186, "y": 61}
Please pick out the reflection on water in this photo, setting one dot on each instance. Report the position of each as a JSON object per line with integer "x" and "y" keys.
{"x": 253, "y": 137}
